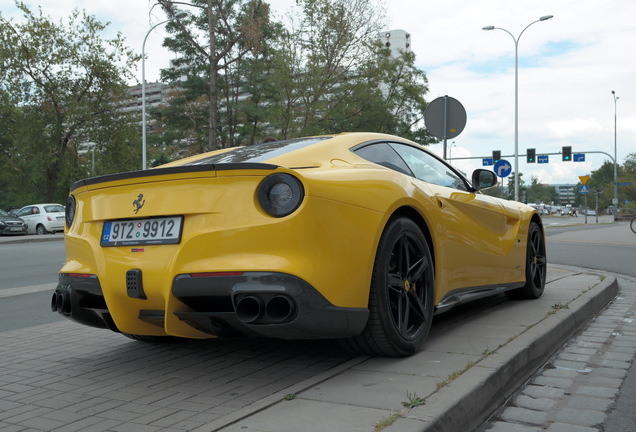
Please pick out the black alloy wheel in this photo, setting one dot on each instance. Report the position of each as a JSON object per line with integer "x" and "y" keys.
{"x": 401, "y": 295}
{"x": 536, "y": 266}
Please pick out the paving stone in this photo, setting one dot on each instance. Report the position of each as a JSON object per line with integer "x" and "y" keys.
{"x": 582, "y": 417}
{"x": 512, "y": 427}
{"x": 602, "y": 392}
{"x": 563, "y": 427}
{"x": 590, "y": 403}
{"x": 543, "y": 392}
{"x": 524, "y": 415}
{"x": 552, "y": 382}
{"x": 539, "y": 404}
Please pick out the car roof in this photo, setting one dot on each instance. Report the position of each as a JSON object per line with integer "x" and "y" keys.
{"x": 294, "y": 153}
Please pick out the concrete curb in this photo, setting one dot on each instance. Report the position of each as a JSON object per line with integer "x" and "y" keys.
{"x": 31, "y": 238}
{"x": 462, "y": 405}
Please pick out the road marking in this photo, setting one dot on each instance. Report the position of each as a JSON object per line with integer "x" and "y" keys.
{"x": 10, "y": 292}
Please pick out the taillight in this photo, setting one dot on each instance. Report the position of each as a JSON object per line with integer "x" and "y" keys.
{"x": 69, "y": 212}
{"x": 280, "y": 194}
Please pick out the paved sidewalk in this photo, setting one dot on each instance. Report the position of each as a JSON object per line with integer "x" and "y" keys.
{"x": 67, "y": 377}
{"x": 577, "y": 388}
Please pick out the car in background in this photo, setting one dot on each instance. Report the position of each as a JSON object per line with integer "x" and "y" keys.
{"x": 11, "y": 225}
{"x": 43, "y": 218}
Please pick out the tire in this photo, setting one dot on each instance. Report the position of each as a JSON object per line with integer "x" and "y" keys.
{"x": 40, "y": 230}
{"x": 401, "y": 294}
{"x": 632, "y": 225}
{"x": 536, "y": 266}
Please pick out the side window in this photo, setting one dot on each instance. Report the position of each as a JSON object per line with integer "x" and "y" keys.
{"x": 383, "y": 154}
{"x": 25, "y": 211}
{"x": 428, "y": 168}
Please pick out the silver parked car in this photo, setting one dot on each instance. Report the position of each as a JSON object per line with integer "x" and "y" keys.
{"x": 43, "y": 218}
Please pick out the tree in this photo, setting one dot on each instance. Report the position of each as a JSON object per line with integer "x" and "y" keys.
{"x": 601, "y": 180}
{"x": 64, "y": 83}
{"x": 539, "y": 193}
{"x": 628, "y": 192}
{"x": 325, "y": 72}
{"x": 212, "y": 41}
{"x": 335, "y": 76}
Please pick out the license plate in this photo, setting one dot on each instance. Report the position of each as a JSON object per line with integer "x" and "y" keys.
{"x": 162, "y": 230}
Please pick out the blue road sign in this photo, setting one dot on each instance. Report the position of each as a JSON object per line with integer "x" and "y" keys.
{"x": 503, "y": 168}
{"x": 486, "y": 162}
{"x": 579, "y": 157}
{"x": 584, "y": 189}
{"x": 624, "y": 184}
{"x": 543, "y": 159}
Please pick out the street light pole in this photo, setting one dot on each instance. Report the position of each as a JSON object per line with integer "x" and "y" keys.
{"x": 143, "y": 87}
{"x": 516, "y": 41}
{"x": 615, "y": 200}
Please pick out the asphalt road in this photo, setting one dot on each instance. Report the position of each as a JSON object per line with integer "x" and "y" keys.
{"x": 593, "y": 254}
{"x": 29, "y": 275}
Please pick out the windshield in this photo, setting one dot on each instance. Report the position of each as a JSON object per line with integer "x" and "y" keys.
{"x": 3, "y": 213}
{"x": 259, "y": 152}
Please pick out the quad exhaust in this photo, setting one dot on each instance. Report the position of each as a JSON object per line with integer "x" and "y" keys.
{"x": 254, "y": 309}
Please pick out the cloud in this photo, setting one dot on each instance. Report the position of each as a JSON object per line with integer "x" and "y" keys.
{"x": 567, "y": 67}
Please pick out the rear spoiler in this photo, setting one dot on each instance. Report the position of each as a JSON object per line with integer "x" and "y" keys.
{"x": 172, "y": 170}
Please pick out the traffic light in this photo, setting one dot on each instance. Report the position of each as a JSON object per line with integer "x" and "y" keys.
{"x": 566, "y": 153}
{"x": 496, "y": 156}
{"x": 531, "y": 155}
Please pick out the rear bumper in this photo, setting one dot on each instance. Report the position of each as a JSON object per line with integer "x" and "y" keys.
{"x": 267, "y": 304}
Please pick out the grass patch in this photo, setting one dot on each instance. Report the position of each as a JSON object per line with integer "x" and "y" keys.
{"x": 386, "y": 422}
{"x": 413, "y": 400}
{"x": 557, "y": 307}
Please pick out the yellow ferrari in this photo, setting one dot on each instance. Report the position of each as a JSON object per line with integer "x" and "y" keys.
{"x": 360, "y": 237}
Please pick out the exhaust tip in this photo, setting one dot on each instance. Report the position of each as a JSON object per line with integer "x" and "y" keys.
{"x": 279, "y": 309}
{"x": 249, "y": 309}
{"x": 63, "y": 303}
{"x": 54, "y": 302}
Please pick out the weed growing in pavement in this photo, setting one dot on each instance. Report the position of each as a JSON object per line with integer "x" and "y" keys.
{"x": 386, "y": 422}
{"x": 487, "y": 351}
{"x": 413, "y": 400}
{"x": 557, "y": 306}
{"x": 289, "y": 396}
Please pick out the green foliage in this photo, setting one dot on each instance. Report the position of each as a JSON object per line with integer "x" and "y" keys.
{"x": 322, "y": 72}
{"x": 64, "y": 83}
{"x": 540, "y": 193}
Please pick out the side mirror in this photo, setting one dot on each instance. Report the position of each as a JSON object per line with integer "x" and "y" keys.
{"x": 483, "y": 179}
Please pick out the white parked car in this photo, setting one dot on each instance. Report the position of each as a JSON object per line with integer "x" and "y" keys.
{"x": 42, "y": 218}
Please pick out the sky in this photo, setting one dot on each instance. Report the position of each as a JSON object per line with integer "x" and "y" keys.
{"x": 567, "y": 68}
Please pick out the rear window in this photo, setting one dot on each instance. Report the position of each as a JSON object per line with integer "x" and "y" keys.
{"x": 54, "y": 208}
{"x": 259, "y": 152}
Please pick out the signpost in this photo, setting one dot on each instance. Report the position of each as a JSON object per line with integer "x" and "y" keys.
{"x": 445, "y": 118}
{"x": 543, "y": 159}
{"x": 503, "y": 168}
{"x": 579, "y": 157}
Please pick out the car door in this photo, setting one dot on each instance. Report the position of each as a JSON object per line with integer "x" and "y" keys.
{"x": 474, "y": 234}
{"x": 26, "y": 214}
